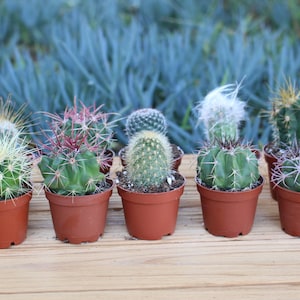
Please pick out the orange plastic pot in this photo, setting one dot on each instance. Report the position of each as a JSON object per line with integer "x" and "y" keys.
{"x": 78, "y": 219}
{"x": 289, "y": 210}
{"x": 150, "y": 216}
{"x": 228, "y": 214}
{"x": 14, "y": 220}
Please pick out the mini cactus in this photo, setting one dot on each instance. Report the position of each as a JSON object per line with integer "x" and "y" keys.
{"x": 221, "y": 112}
{"x": 71, "y": 173}
{"x": 75, "y": 151}
{"x": 146, "y": 119}
{"x": 149, "y": 159}
{"x": 286, "y": 172}
{"x": 228, "y": 166}
{"x": 15, "y": 166}
{"x": 285, "y": 115}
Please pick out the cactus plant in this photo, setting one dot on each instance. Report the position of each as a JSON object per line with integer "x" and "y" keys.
{"x": 228, "y": 166}
{"x": 285, "y": 115}
{"x": 15, "y": 166}
{"x": 221, "y": 113}
{"x": 149, "y": 159}
{"x": 146, "y": 119}
{"x": 74, "y": 153}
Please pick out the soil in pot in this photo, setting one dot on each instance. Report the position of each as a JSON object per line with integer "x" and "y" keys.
{"x": 14, "y": 220}
{"x": 229, "y": 214}
{"x": 79, "y": 219}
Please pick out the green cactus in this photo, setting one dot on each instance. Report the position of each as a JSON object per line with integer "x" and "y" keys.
{"x": 285, "y": 115}
{"x": 71, "y": 174}
{"x": 227, "y": 167}
{"x": 149, "y": 159}
{"x": 146, "y": 119}
{"x": 15, "y": 166}
{"x": 221, "y": 112}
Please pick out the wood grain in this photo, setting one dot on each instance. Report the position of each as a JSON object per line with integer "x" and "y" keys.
{"x": 190, "y": 264}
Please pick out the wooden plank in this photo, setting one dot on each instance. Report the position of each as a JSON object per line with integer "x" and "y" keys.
{"x": 187, "y": 265}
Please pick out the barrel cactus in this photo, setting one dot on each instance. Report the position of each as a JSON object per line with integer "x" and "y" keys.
{"x": 71, "y": 173}
{"x": 146, "y": 119}
{"x": 285, "y": 115}
{"x": 231, "y": 167}
{"x": 221, "y": 113}
{"x": 149, "y": 159}
{"x": 15, "y": 166}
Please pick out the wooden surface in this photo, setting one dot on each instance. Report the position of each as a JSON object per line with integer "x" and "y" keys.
{"x": 190, "y": 264}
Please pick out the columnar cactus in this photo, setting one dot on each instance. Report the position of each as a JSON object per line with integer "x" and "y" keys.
{"x": 149, "y": 159}
{"x": 227, "y": 167}
{"x": 221, "y": 112}
{"x": 15, "y": 166}
{"x": 285, "y": 115}
{"x": 146, "y": 119}
{"x": 71, "y": 173}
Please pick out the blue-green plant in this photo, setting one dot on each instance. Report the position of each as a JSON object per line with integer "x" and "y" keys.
{"x": 149, "y": 119}
{"x": 149, "y": 159}
{"x": 74, "y": 153}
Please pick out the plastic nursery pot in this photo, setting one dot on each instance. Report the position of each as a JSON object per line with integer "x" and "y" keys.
{"x": 271, "y": 161}
{"x": 109, "y": 154}
{"x": 78, "y": 219}
{"x": 229, "y": 214}
{"x": 14, "y": 220}
{"x": 289, "y": 210}
{"x": 150, "y": 216}
{"x": 176, "y": 150}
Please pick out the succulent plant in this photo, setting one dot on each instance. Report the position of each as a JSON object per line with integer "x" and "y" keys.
{"x": 146, "y": 119}
{"x": 227, "y": 166}
{"x": 286, "y": 172}
{"x": 221, "y": 112}
{"x": 15, "y": 166}
{"x": 285, "y": 115}
{"x": 75, "y": 151}
{"x": 149, "y": 159}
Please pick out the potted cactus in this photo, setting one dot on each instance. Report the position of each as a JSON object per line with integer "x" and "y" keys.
{"x": 15, "y": 173}
{"x": 149, "y": 188}
{"x": 284, "y": 118}
{"x": 153, "y": 120}
{"x": 286, "y": 178}
{"x": 227, "y": 177}
{"x": 78, "y": 192}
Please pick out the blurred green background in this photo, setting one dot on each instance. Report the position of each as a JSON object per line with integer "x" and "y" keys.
{"x": 166, "y": 54}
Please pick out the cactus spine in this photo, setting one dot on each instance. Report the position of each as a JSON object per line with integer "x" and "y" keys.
{"x": 149, "y": 159}
{"x": 221, "y": 112}
{"x": 146, "y": 119}
{"x": 285, "y": 115}
{"x": 227, "y": 167}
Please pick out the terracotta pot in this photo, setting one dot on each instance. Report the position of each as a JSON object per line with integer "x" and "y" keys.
{"x": 150, "y": 216}
{"x": 177, "y": 154}
{"x": 109, "y": 154}
{"x": 271, "y": 161}
{"x": 289, "y": 210}
{"x": 14, "y": 220}
{"x": 228, "y": 214}
{"x": 79, "y": 219}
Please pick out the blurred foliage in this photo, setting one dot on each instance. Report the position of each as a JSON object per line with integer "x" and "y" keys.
{"x": 166, "y": 54}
